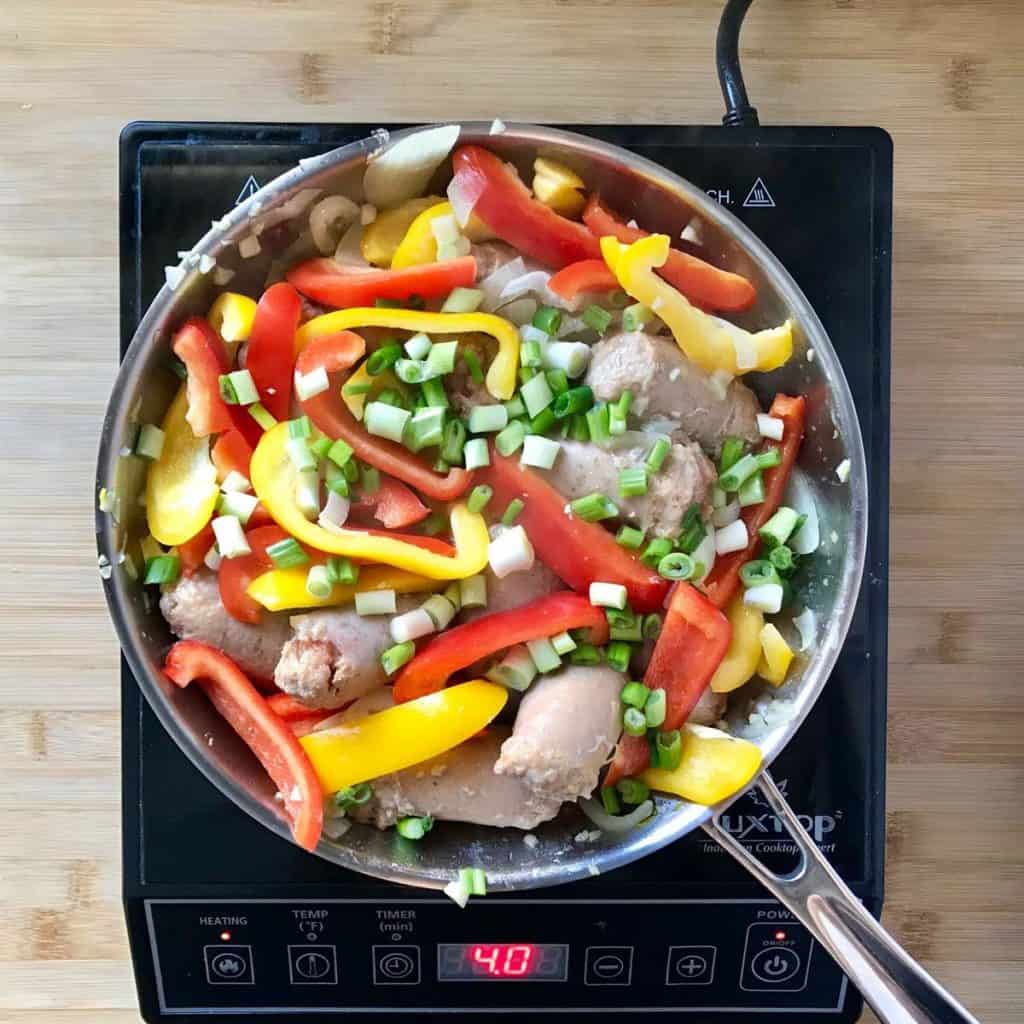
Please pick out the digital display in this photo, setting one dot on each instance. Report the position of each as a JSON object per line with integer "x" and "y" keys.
{"x": 502, "y": 961}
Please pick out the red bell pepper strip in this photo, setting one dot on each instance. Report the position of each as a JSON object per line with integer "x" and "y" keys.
{"x": 231, "y": 453}
{"x": 392, "y": 504}
{"x": 460, "y": 647}
{"x": 235, "y": 574}
{"x": 193, "y": 551}
{"x": 584, "y": 276}
{"x": 271, "y": 352}
{"x": 506, "y": 206}
{"x": 323, "y": 280}
{"x": 202, "y": 351}
{"x": 265, "y": 734}
{"x": 691, "y": 645}
{"x": 300, "y": 719}
{"x": 580, "y": 553}
{"x": 706, "y": 285}
{"x": 723, "y": 579}
{"x": 336, "y": 353}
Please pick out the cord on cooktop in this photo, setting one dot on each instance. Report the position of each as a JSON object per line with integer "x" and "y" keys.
{"x": 738, "y": 111}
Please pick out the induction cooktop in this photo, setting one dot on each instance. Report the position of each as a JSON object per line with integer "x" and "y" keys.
{"x": 227, "y": 920}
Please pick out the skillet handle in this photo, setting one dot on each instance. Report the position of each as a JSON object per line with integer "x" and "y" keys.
{"x": 898, "y": 989}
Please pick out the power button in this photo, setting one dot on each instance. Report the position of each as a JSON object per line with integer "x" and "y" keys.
{"x": 776, "y": 958}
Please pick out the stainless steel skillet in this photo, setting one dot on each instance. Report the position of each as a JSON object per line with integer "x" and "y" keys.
{"x": 897, "y": 988}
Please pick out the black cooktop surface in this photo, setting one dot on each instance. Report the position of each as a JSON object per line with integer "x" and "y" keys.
{"x": 685, "y": 929}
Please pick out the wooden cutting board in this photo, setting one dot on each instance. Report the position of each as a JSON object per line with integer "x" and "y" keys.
{"x": 945, "y": 78}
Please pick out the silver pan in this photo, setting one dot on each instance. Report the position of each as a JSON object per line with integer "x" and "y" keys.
{"x": 898, "y": 988}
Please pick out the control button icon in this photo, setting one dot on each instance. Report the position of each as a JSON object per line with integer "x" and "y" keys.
{"x": 772, "y": 965}
{"x": 228, "y": 965}
{"x": 396, "y": 965}
{"x": 608, "y": 965}
{"x": 690, "y": 965}
{"x": 776, "y": 958}
{"x": 313, "y": 965}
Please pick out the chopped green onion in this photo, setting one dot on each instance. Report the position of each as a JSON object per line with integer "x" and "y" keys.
{"x": 633, "y": 721}
{"x": 526, "y": 373}
{"x": 693, "y": 530}
{"x": 617, "y": 299}
{"x": 676, "y": 566}
{"x": 474, "y": 367}
{"x": 658, "y": 548}
{"x": 414, "y": 828}
{"x": 585, "y": 654}
{"x": 473, "y": 592}
{"x": 593, "y": 508}
{"x": 341, "y": 570}
{"x": 320, "y": 447}
{"x": 633, "y": 482}
{"x": 478, "y": 497}
{"x": 227, "y": 389}
{"x": 769, "y": 458}
{"x": 453, "y": 592}
{"x": 434, "y": 524}
{"x": 300, "y": 428}
{"x": 261, "y": 416}
{"x": 779, "y": 528}
{"x": 411, "y": 626}
{"x": 573, "y": 401}
{"x": 413, "y": 371}
{"x": 511, "y": 438}
{"x": 487, "y": 419}
{"x": 426, "y": 428}
{"x": 624, "y": 624}
{"x": 669, "y": 748}
{"x": 545, "y": 657}
{"x": 384, "y": 358}
{"x": 542, "y": 422}
{"x": 231, "y": 541}
{"x": 395, "y": 657}
{"x": 318, "y": 581}
{"x": 657, "y": 455}
{"x": 308, "y": 492}
{"x": 578, "y": 429}
{"x": 453, "y": 441}
{"x": 309, "y": 385}
{"x": 434, "y": 394}
{"x": 607, "y": 595}
{"x": 511, "y": 513}
{"x": 515, "y": 671}
{"x": 738, "y": 473}
{"x": 597, "y": 318}
{"x": 634, "y": 695}
{"x": 351, "y": 471}
{"x": 655, "y": 709}
{"x": 630, "y": 537}
{"x": 514, "y": 407}
{"x": 539, "y": 451}
{"x": 558, "y": 382}
{"x": 298, "y": 451}
{"x": 751, "y": 492}
{"x": 150, "y": 442}
{"x": 719, "y": 499}
{"x": 633, "y": 791}
{"x": 536, "y": 394}
{"x": 369, "y": 478}
{"x": 563, "y": 643}
{"x": 610, "y": 800}
{"x": 572, "y": 357}
{"x": 440, "y": 610}
{"x": 357, "y": 388}
{"x": 651, "y": 626}
{"x": 381, "y": 303}
{"x": 475, "y": 453}
{"x": 375, "y": 602}
{"x": 234, "y": 481}
{"x": 389, "y": 396}
{"x": 237, "y": 504}
{"x": 474, "y": 881}
{"x": 353, "y": 796}
{"x": 547, "y": 319}
{"x": 635, "y": 317}
{"x": 418, "y": 346}
{"x": 463, "y": 300}
{"x": 529, "y": 354}
{"x": 758, "y": 572}
{"x": 782, "y": 558}
{"x": 385, "y": 420}
{"x": 287, "y": 553}
{"x": 597, "y": 423}
{"x": 340, "y": 452}
{"x": 441, "y": 358}
{"x": 162, "y": 569}
{"x": 177, "y": 367}
{"x": 732, "y": 452}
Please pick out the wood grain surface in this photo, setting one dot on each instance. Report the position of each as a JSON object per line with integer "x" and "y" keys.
{"x": 946, "y": 78}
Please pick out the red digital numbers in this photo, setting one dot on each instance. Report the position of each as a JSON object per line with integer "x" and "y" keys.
{"x": 502, "y": 961}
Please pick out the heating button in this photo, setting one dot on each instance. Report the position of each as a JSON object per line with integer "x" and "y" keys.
{"x": 228, "y": 965}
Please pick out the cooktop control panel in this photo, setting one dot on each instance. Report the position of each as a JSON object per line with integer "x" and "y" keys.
{"x": 288, "y": 956}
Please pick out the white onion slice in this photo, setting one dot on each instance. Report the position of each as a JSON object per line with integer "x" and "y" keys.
{"x": 349, "y": 252}
{"x": 335, "y": 512}
{"x": 493, "y": 283}
{"x": 806, "y": 623}
{"x": 402, "y": 169}
{"x": 534, "y": 281}
{"x": 808, "y": 537}
{"x": 463, "y": 192}
{"x": 518, "y": 311}
{"x": 616, "y": 822}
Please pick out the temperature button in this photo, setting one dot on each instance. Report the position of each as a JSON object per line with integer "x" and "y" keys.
{"x": 396, "y": 965}
{"x": 228, "y": 965}
{"x": 776, "y": 958}
{"x": 313, "y": 965}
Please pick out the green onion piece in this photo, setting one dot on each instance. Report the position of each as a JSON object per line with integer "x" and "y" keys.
{"x": 434, "y": 394}
{"x": 751, "y": 492}
{"x": 339, "y": 453}
{"x": 634, "y": 695}
{"x": 719, "y": 499}
{"x": 384, "y": 358}
{"x": 563, "y": 643}
{"x": 536, "y": 394}
{"x": 261, "y": 416}
{"x": 571, "y": 357}
{"x": 511, "y": 513}
{"x": 478, "y": 497}
{"x": 572, "y": 401}
{"x": 375, "y": 602}
{"x": 633, "y": 791}
{"x": 298, "y": 451}
{"x": 369, "y": 479}
{"x": 593, "y": 508}
{"x": 779, "y": 528}
{"x": 440, "y": 610}
{"x": 732, "y": 452}
{"x": 351, "y": 471}
{"x": 676, "y": 566}
{"x": 473, "y": 365}
{"x": 597, "y": 423}
{"x": 617, "y": 299}
{"x": 585, "y": 654}
{"x": 473, "y": 592}
{"x": 515, "y": 671}
{"x": 453, "y": 440}
{"x": 320, "y": 447}
{"x": 557, "y": 381}
{"x": 657, "y": 455}
{"x": 782, "y": 558}
{"x": 633, "y": 482}
{"x": 227, "y": 389}
{"x": 475, "y": 453}
{"x": 395, "y": 657}
{"x": 624, "y": 624}
{"x": 300, "y": 428}
{"x": 387, "y": 303}
{"x": 413, "y": 828}
{"x": 418, "y": 346}
{"x": 529, "y": 353}
{"x": 385, "y": 420}
{"x": 463, "y": 300}
{"x": 526, "y": 373}
{"x": 656, "y": 551}
{"x": 630, "y": 537}
{"x": 758, "y": 572}
{"x": 177, "y": 367}
{"x": 597, "y": 318}
{"x": 287, "y": 553}
{"x": 633, "y": 721}
{"x": 651, "y": 626}
{"x": 318, "y": 581}
{"x": 474, "y": 881}
{"x": 545, "y": 657}
{"x": 162, "y": 569}
{"x": 542, "y": 422}
{"x": 769, "y": 458}
{"x": 693, "y": 530}
{"x": 413, "y": 371}
{"x": 425, "y": 429}
{"x": 453, "y": 592}
{"x": 441, "y": 358}
{"x": 635, "y": 317}
{"x": 616, "y": 422}
{"x": 617, "y": 654}
{"x": 237, "y": 504}
{"x": 389, "y": 396}
{"x": 738, "y": 473}
{"x": 308, "y": 492}
{"x": 669, "y": 748}
{"x": 625, "y": 402}
{"x": 539, "y": 451}
{"x": 610, "y": 800}
{"x": 440, "y": 466}
{"x": 341, "y": 570}
{"x": 510, "y": 439}
{"x": 150, "y": 442}
{"x": 434, "y": 524}
{"x": 547, "y": 319}
{"x": 515, "y": 408}
{"x": 578, "y": 429}
{"x": 655, "y": 708}
{"x": 357, "y": 388}
{"x": 353, "y": 796}
{"x": 487, "y": 419}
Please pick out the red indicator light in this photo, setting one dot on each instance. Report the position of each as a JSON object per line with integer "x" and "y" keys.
{"x": 225, "y": 936}
{"x": 780, "y": 936}
{"x": 503, "y": 961}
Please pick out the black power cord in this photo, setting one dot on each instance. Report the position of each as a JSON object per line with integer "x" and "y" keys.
{"x": 738, "y": 111}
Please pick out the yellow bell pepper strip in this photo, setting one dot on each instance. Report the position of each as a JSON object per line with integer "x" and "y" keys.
{"x": 282, "y": 589}
{"x": 776, "y": 656}
{"x": 231, "y": 316}
{"x": 501, "y": 375}
{"x": 419, "y": 244}
{"x": 355, "y": 398}
{"x": 740, "y": 661}
{"x": 714, "y": 766}
{"x": 181, "y": 488}
{"x": 275, "y": 481}
{"x": 383, "y": 236}
{"x": 558, "y": 187}
{"x": 402, "y": 736}
{"x": 708, "y": 341}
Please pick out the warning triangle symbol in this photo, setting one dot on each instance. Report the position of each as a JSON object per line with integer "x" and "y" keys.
{"x": 249, "y": 189}
{"x": 759, "y": 196}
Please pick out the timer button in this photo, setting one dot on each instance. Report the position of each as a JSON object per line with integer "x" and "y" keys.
{"x": 608, "y": 965}
{"x": 396, "y": 965}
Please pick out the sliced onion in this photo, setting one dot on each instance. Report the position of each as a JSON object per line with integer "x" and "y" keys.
{"x": 519, "y": 311}
{"x": 402, "y": 169}
{"x": 616, "y": 822}
{"x": 335, "y": 512}
{"x": 535, "y": 281}
{"x": 463, "y": 192}
{"x": 806, "y": 623}
{"x": 329, "y": 219}
{"x": 349, "y": 252}
{"x": 336, "y": 826}
{"x": 493, "y": 284}
{"x": 807, "y": 538}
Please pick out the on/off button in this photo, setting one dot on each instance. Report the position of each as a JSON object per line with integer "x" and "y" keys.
{"x": 776, "y": 958}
